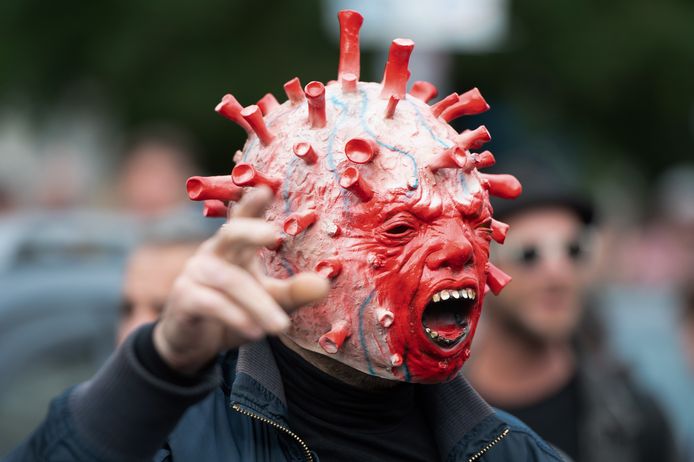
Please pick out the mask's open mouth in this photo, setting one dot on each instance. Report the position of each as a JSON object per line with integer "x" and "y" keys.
{"x": 446, "y": 318}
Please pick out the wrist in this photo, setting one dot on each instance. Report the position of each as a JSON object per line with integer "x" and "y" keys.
{"x": 183, "y": 361}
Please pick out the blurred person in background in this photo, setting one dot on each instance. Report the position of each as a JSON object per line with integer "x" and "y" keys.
{"x": 152, "y": 269}
{"x": 534, "y": 359}
{"x": 647, "y": 287}
{"x": 156, "y": 163}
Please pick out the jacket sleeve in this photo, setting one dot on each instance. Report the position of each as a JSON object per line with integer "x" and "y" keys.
{"x": 125, "y": 412}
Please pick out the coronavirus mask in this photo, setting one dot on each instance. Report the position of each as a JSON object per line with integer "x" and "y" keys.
{"x": 374, "y": 190}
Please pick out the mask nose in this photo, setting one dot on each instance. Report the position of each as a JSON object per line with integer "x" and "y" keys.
{"x": 453, "y": 255}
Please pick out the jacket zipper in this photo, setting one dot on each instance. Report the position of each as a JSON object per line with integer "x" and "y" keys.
{"x": 304, "y": 446}
{"x": 490, "y": 445}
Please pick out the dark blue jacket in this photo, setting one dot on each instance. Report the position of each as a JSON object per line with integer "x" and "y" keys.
{"x": 126, "y": 414}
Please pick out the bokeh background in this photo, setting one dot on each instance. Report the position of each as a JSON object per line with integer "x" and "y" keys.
{"x": 106, "y": 107}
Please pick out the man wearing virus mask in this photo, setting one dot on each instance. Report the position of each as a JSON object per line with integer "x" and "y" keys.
{"x": 342, "y": 294}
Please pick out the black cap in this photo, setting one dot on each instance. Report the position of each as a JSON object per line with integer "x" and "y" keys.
{"x": 543, "y": 185}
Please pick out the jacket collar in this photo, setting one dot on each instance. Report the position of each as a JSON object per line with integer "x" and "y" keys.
{"x": 453, "y": 408}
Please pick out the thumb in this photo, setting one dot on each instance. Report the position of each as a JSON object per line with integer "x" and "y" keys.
{"x": 298, "y": 290}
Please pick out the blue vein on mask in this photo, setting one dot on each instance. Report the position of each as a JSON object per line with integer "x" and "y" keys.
{"x": 331, "y": 138}
{"x": 248, "y": 150}
{"x": 285, "y": 184}
{"x": 362, "y": 338}
{"x": 422, "y": 121}
{"x": 367, "y": 129}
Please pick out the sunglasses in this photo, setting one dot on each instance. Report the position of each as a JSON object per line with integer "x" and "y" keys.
{"x": 531, "y": 254}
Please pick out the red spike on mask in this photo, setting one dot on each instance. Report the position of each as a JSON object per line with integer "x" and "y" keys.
{"x": 267, "y": 103}
{"x": 214, "y": 209}
{"x": 390, "y": 107}
{"x": 424, "y": 91}
{"x": 469, "y": 103}
{"x": 294, "y": 91}
{"x": 450, "y": 158}
{"x": 349, "y": 82}
{"x": 213, "y": 187}
{"x": 397, "y": 74}
{"x": 350, "y": 23}
{"x": 299, "y": 221}
{"x": 244, "y": 174}
{"x": 361, "y": 150}
{"x": 352, "y": 181}
{"x": 230, "y": 108}
{"x": 385, "y": 317}
{"x": 305, "y": 152}
{"x": 441, "y": 106}
{"x": 315, "y": 94}
{"x": 473, "y": 139}
{"x": 332, "y": 341}
{"x": 499, "y": 231}
{"x": 497, "y": 279}
{"x": 254, "y": 117}
{"x": 329, "y": 268}
{"x": 504, "y": 186}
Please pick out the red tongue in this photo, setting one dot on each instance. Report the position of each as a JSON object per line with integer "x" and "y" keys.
{"x": 443, "y": 323}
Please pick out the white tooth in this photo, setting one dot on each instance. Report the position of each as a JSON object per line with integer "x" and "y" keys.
{"x": 436, "y": 298}
{"x": 472, "y": 294}
{"x": 455, "y": 294}
{"x": 445, "y": 295}
{"x": 463, "y": 292}
{"x": 434, "y": 334}
{"x": 428, "y": 331}
{"x": 468, "y": 292}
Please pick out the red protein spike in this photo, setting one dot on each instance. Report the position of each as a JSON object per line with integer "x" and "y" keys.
{"x": 424, "y": 91}
{"x": 353, "y": 182}
{"x": 392, "y": 104}
{"x": 442, "y": 105}
{"x": 294, "y": 91}
{"x": 397, "y": 74}
{"x": 244, "y": 174}
{"x": 504, "y": 186}
{"x": 315, "y": 94}
{"x": 473, "y": 139}
{"x": 267, "y": 103}
{"x": 230, "y": 108}
{"x": 469, "y": 103}
{"x": 499, "y": 231}
{"x": 482, "y": 160}
{"x": 361, "y": 150}
{"x": 214, "y": 209}
{"x": 298, "y": 222}
{"x": 329, "y": 268}
{"x": 221, "y": 188}
{"x": 497, "y": 279}
{"x": 450, "y": 158}
{"x": 254, "y": 117}
{"x": 304, "y": 151}
{"x": 350, "y": 23}
{"x": 332, "y": 341}
{"x": 349, "y": 82}
{"x": 385, "y": 317}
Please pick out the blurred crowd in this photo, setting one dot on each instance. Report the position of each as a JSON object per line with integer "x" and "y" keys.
{"x": 95, "y": 224}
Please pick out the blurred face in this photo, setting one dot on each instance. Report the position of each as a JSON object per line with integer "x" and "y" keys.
{"x": 149, "y": 277}
{"x": 546, "y": 255}
{"x": 152, "y": 178}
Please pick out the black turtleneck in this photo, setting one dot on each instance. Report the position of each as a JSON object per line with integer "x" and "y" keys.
{"x": 340, "y": 422}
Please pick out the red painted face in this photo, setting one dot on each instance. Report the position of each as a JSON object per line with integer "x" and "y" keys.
{"x": 377, "y": 192}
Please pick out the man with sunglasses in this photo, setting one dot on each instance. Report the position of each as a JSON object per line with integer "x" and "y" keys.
{"x": 532, "y": 358}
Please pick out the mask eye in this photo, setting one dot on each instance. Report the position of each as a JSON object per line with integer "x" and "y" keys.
{"x": 399, "y": 229}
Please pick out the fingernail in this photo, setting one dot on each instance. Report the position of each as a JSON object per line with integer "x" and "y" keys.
{"x": 281, "y": 323}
